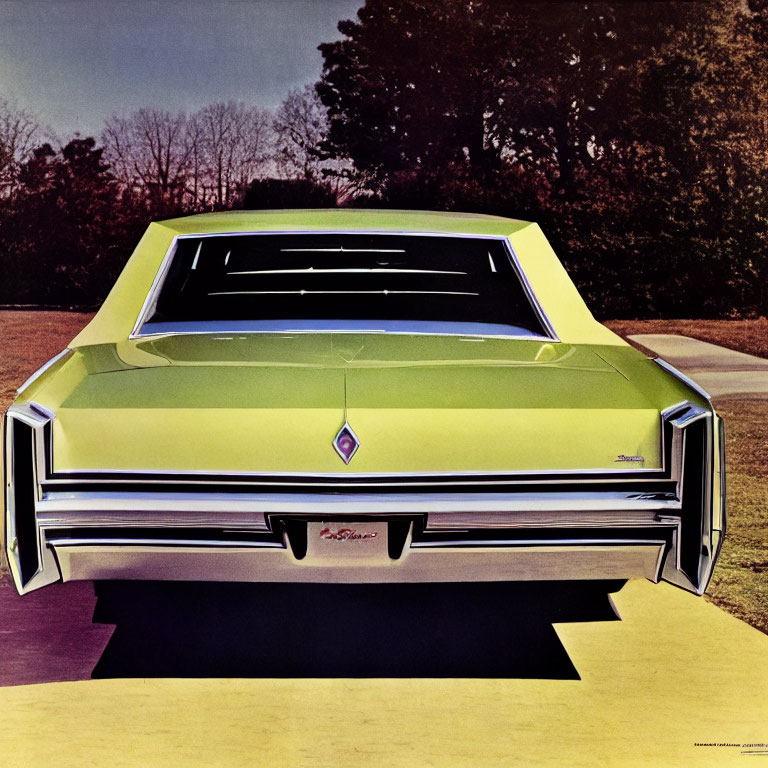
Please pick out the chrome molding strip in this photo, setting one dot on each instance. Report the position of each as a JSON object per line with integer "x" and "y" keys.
{"x": 150, "y": 513}
{"x": 117, "y": 541}
{"x": 190, "y": 330}
{"x": 150, "y": 300}
{"x": 389, "y": 478}
{"x": 468, "y": 543}
{"x": 42, "y": 369}
{"x": 682, "y": 377}
{"x": 56, "y": 485}
{"x": 303, "y": 503}
{"x": 573, "y": 517}
{"x": 442, "y": 511}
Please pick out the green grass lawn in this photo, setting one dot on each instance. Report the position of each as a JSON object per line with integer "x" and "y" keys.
{"x": 750, "y": 336}
{"x": 27, "y": 340}
{"x": 740, "y": 581}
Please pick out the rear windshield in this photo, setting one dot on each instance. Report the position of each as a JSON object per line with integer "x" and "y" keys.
{"x": 344, "y": 282}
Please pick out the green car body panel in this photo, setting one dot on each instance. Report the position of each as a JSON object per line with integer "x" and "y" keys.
{"x": 442, "y": 405}
{"x": 214, "y": 404}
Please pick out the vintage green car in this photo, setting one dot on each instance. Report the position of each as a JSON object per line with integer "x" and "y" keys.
{"x": 357, "y": 396}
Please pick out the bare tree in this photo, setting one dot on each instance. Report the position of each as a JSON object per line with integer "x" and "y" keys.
{"x": 235, "y": 142}
{"x": 150, "y": 150}
{"x": 204, "y": 161}
{"x": 198, "y": 189}
{"x": 254, "y": 153}
{"x": 19, "y": 134}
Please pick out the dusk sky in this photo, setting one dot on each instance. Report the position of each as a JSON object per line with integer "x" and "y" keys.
{"x": 74, "y": 62}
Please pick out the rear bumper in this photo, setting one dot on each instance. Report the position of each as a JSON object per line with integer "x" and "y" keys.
{"x": 253, "y": 564}
{"x": 516, "y": 528}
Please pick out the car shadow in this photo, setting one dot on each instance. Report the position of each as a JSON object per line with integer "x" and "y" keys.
{"x": 479, "y": 630}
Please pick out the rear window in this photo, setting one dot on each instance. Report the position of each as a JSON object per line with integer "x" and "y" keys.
{"x": 343, "y": 282}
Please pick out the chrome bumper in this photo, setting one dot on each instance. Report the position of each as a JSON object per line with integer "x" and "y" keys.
{"x": 661, "y": 525}
{"x": 262, "y": 564}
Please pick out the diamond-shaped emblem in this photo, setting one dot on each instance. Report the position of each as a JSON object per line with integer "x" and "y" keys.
{"x": 346, "y": 443}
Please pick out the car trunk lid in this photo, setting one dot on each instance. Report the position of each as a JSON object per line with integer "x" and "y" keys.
{"x": 419, "y": 404}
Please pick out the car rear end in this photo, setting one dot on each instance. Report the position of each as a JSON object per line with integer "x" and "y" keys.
{"x": 360, "y": 407}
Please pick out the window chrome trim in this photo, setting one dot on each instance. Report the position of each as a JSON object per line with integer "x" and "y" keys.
{"x": 283, "y": 328}
{"x": 152, "y": 296}
{"x": 154, "y": 290}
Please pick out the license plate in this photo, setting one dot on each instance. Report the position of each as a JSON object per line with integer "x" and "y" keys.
{"x": 340, "y": 540}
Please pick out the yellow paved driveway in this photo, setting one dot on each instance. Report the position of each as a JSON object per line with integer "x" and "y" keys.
{"x": 676, "y": 671}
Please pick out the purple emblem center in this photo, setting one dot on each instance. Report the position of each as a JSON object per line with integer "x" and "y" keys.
{"x": 346, "y": 444}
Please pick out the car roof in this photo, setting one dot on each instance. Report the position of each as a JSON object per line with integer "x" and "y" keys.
{"x": 543, "y": 272}
{"x": 342, "y": 219}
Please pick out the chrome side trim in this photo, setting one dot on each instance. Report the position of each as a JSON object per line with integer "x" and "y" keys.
{"x": 133, "y": 512}
{"x": 388, "y": 478}
{"x": 533, "y": 543}
{"x": 659, "y": 516}
{"x": 150, "y": 300}
{"x": 303, "y": 503}
{"x": 366, "y": 231}
{"x": 127, "y": 541}
{"x": 682, "y": 377}
{"x": 42, "y": 369}
{"x": 442, "y": 511}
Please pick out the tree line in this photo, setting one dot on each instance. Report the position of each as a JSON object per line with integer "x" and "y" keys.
{"x": 71, "y": 212}
{"x": 635, "y": 133}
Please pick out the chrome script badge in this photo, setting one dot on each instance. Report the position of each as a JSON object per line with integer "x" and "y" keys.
{"x": 347, "y": 534}
{"x": 342, "y": 543}
{"x": 634, "y": 459}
